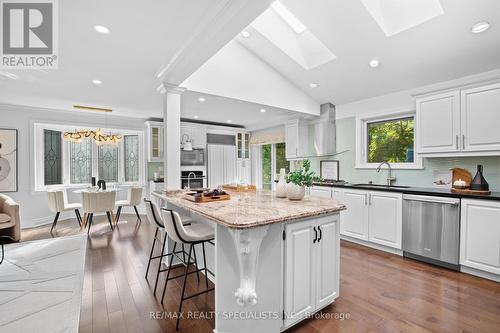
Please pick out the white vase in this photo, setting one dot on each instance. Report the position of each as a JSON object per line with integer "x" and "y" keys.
{"x": 281, "y": 186}
{"x": 295, "y": 192}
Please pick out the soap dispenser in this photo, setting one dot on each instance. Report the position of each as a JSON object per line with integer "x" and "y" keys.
{"x": 479, "y": 183}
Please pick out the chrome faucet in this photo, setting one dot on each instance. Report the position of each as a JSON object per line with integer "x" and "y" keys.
{"x": 189, "y": 179}
{"x": 390, "y": 178}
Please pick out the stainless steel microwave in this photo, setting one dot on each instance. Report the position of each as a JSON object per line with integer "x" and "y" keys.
{"x": 193, "y": 157}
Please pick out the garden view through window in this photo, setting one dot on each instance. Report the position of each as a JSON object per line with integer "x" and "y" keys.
{"x": 273, "y": 157}
{"x": 391, "y": 140}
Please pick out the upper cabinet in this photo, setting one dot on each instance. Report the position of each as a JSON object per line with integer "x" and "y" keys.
{"x": 155, "y": 141}
{"x": 461, "y": 122}
{"x": 438, "y": 123}
{"x": 297, "y": 138}
{"x": 243, "y": 145}
{"x": 481, "y": 118}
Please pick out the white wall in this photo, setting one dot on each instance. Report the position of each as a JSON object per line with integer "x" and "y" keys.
{"x": 237, "y": 73}
{"x": 34, "y": 209}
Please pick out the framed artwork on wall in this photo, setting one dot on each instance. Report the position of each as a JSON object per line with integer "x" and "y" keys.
{"x": 8, "y": 160}
{"x": 329, "y": 170}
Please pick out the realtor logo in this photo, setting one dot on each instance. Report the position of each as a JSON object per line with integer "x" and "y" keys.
{"x": 29, "y": 34}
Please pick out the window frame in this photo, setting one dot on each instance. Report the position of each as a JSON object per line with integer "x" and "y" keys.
{"x": 260, "y": 171}
{"x": 362, "y": 140}
{"x": 37, "y": 153}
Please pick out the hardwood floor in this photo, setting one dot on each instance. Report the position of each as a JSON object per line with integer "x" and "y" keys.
{"x": 379, "y": 292}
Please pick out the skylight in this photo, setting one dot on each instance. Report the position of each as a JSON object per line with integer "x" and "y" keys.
{"x": 288, "y": 17}
{"x": 395, "y": 16}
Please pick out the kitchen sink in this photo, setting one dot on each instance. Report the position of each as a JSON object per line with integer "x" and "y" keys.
{"x": 380, "y": 185}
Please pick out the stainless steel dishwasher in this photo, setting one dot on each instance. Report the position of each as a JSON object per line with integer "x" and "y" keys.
{"x": 431, "y": 229}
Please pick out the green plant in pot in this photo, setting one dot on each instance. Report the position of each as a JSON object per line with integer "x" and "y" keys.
{"x": 298, "y": 180}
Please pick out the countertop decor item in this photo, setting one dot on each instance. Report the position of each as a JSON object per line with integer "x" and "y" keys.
{"x": 298, "y": 180}
{"x": 442, "y": 179}
{"x": 329, "y": 170}
{"x": 8, "y": 160}
{"x": 461, "y": 174}
{"x": 479, "y": 183}
{"x": 207, "y": 196}
{"x": 281, "y": 185}
{"x": 240, "y": 187}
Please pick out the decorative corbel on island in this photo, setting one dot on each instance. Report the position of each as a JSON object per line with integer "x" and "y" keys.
{"x": 247, "y": 242}
{"x": 252, "y": 223}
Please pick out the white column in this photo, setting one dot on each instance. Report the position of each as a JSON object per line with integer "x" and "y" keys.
{"x": 172, "y": 135}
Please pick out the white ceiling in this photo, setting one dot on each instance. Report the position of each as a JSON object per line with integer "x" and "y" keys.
{"x": 440, "y": 49}
{"x": 221, "y": 109}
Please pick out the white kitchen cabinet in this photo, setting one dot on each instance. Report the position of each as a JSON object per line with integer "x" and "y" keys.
{"x": 221, "y": 165}
{"x": 385, "y": 218}
{"x": 438, "y": 123}
{"x": 459, "y": 123}
{"x": 155, "y": 141}
{"x": 320, "y": 191}
{"x": 296, "y": 138}
{"x": 480, "y": 235}
{"x": 311, "y": 271}
{"x": 354, "y": 221}
{"x": 243, "y": 157}
{"x": 480, "y": 111}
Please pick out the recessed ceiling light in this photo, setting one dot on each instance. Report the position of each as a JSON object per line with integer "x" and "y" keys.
{"x": 195, "y": 117}
{"x": 201, "y": 99}
{"x": 313, "y": 85}
{"x": 480, "y": 27}
{"x": 262, "y": 110}
{"x": 374, "y": 63}
{"x": 245, "y": 34}
{"x": 101, "y": 29}
{"x": 97, "y": 82}
{"x": 229, "y": 121}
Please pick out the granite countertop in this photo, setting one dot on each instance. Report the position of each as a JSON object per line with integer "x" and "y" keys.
{"x": 415, "y": 190}
{"x": 253, "y": 209}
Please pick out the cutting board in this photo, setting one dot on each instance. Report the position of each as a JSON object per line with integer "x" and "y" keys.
{"x": 459, "y": 173}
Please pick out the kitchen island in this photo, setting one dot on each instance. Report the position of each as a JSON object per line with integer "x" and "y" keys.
{"x": 275, "y": 261}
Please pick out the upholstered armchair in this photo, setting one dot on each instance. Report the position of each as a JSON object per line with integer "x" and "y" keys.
{"x": 9, "y": 216}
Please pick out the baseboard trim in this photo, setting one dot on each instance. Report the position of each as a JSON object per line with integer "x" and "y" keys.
{"x": 372, "y": 245}
{"x": 479, "y": 273}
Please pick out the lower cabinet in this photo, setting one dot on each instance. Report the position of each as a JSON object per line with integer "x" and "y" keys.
{"x": 355, "y": 217}
{"x": 385, "y": 218}
{"x": 480, "y": 235}
{"x": 312, "y": 250}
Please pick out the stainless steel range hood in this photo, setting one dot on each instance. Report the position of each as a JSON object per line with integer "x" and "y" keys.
{"x": 323, "y": 132}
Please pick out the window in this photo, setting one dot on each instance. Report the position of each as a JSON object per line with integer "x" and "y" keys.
{"x": 80, "y": 162}
{"x": 273, "y": 157}
{"x": 108, "y": 163}
{"x": 390, "y": 139}
{"x": 52, "y": 157}
{"x": 60, "y": 162}
{"x": 131, "y": 157}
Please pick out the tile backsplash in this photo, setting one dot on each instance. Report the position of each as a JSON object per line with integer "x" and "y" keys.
{"x": 155, "y": 167}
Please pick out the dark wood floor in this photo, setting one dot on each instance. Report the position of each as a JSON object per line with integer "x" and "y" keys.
{"x": 379, "y": 292}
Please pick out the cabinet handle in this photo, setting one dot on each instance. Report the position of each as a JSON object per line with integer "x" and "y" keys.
{"x": 370, "y": 199}
{"x": 315, "y": 235}
{"x": 463, "y": 141}
{"x": 320, "y": 234}
{"x": 458, "y": 144}
{"x": 366, "y": 199}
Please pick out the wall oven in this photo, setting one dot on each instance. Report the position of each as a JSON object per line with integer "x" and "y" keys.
{"x": 192, "y": 179}
{"x": 431, "y": 229}
{"x": 193, "y": 157}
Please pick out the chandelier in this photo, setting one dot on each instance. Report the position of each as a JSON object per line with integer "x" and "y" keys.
{"x": 98, "y": 136}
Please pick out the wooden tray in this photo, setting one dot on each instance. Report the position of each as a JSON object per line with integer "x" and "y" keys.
{"x": 204, "y": 199}
{"x": 467, "y": 191}
{"x": 240, "y": 188}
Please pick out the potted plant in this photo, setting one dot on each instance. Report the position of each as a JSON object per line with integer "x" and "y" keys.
{"x": 298, "y": 180}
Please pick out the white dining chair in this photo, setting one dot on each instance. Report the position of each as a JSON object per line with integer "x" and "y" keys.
{"x": 58, "y": 203}
{"x": 134, "y": 199}
{"x": 98, "y": 202}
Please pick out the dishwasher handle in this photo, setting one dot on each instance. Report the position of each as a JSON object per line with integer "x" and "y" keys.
{"x": 437, "y": 200}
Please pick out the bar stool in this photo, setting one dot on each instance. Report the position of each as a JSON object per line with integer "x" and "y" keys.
{"x": 58, "y": 202}
{"x": 98, "y": 202}
{"x": 155, "y": 219}
{"x": 190, "y": 235}
{"x": 133, "y": 200}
